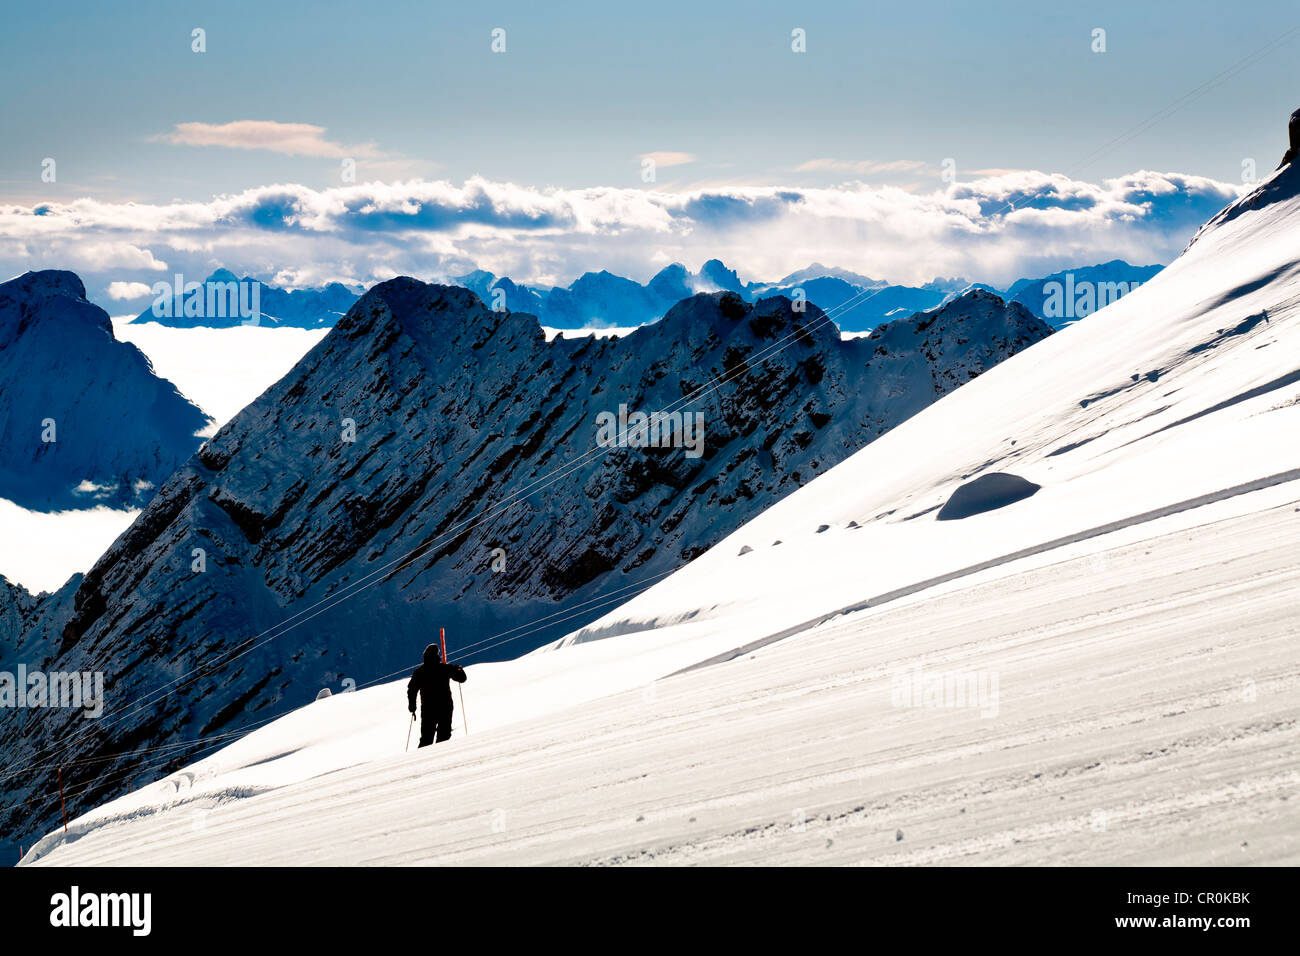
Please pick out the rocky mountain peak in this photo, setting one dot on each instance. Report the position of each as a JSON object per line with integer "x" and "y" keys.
{"x": 434, "y": 463}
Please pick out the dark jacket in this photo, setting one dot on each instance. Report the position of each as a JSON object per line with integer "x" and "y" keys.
{"x": 431, "y": 682}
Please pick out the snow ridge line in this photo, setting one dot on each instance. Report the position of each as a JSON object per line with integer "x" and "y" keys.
{"x": 1110, "y": 527}
{"x": 200, "y": 802}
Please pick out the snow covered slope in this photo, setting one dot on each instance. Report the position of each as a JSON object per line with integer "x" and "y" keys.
{"x": 1185, "y": 387}
{"x": 1126, "y": 637}
{"x": 1121, "y": 736}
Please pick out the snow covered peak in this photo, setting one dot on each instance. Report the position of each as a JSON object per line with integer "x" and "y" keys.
{"x": 819, "y": 271}
{"x": 976, "y": 295}
{"x": 717, "y": 314}
{"x": 720, "y": 277}
{"x": 981, "y": 297}
{"x": 51, "y": 297}
{"x": 84, "y": 421}
{"x": 47, "y": 282}
{"x": 415, "y": 300}
{"x": 436, "y": 316}
{"x": 671, "y": 283}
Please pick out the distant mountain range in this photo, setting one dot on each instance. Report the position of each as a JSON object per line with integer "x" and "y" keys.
{"x": 856, "y": 303}
{"x": 595, "y": 299}
{"x": 224, "y": 300}
{"x": 1066, "y": 297}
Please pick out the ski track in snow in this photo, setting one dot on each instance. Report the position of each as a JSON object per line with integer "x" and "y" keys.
{"x": 1126, "y": 734}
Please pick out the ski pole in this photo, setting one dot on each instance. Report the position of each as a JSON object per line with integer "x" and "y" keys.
{"x": 409, "y": 727}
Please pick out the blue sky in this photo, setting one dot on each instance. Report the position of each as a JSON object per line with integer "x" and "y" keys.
{"x": 884, "y": 94}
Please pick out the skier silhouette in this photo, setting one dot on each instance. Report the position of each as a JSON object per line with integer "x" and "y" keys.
{"x": 430, "y": 682}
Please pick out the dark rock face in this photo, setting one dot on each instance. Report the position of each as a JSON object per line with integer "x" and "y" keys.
{"x": 435, "y": 463}
{"x": 986, "y": 493}
{"x": 1293, "y": 137}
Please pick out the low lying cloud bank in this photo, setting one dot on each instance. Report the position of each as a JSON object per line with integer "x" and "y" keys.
{"x": 993, "y": 230}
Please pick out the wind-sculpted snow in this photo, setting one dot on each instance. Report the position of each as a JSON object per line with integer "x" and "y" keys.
{"x": 1114, "y": 728}
{"x": 985, "y": 493}
{"x": 435, "y": 463}
{"x": 84, "y": 421}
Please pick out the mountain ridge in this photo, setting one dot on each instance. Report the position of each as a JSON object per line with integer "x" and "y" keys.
{"x": 358, "y": 484}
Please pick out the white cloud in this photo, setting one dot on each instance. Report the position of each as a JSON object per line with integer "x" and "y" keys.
{"x": 291, "y": 139}
{"x": 995, "y": 229}
{"x": 94, "y": 250}
{"x": 128, "y": 290}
